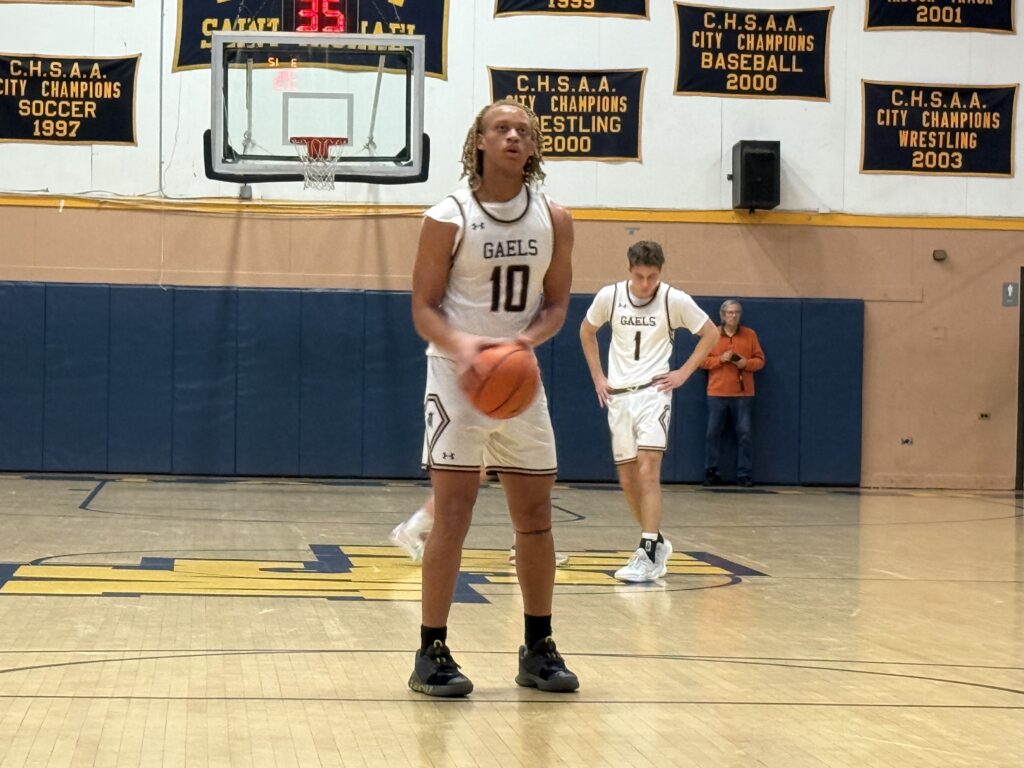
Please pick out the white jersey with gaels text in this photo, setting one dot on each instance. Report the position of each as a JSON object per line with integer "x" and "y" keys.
{"x": 642, "y": 330}
{"x": 502, "y": 253}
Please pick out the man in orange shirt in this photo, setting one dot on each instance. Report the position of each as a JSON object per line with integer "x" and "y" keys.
{"x": 731, "y": 366}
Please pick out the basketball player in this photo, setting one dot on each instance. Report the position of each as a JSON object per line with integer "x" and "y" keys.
{"x": 411, "y": 535}
{"x": 493, "y": 263}
{"x": 644, "y": 314}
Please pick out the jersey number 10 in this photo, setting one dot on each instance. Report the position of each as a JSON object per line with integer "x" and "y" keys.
{"x": 516, "y": 279}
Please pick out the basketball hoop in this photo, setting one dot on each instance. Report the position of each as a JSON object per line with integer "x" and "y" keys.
{"x": 319, "y": 155}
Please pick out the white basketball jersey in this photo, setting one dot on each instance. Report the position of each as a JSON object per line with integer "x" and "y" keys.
{"x": 502, "y": 253}
{"x": 642, "y": 330}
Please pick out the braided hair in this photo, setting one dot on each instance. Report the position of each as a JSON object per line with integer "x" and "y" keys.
{"x": 473, "y": 158}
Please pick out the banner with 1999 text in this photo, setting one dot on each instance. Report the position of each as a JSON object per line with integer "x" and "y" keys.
{"x": 625, "y": 8}
{"x": 584, "y": 114}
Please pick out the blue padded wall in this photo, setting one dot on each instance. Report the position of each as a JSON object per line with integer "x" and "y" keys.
{"x": 139, "y": 434}
{"x": 832, "y": 351}
{"x": 75, "y": 386}
{"x": 205, "y": 356}
{"x": 333, "y": 354}
{"x": 269, "y": 382}
{"x": 330, "y": 383}
{"x": 581, "y": 425}
{"x": 395, "y": 380}
{"x": 22, "y": 367}
{"x": 776, "y": 402}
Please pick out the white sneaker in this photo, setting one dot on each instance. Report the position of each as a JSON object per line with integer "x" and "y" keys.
{"x": 560, "y": 557}
{"x": 640, "y": 568}
{"x": 412, "y": 534}
{"x": 661, "y": 556}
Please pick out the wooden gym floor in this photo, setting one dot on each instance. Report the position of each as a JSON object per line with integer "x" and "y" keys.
{"x": 194, "y": 622}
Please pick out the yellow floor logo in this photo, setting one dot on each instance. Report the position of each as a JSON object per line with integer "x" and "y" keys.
{"x": 349, "y": 573}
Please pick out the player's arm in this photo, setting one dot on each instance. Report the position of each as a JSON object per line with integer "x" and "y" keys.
{"x": 708, "y": 334}
{"x": 588, "y": 340}
{"x": 429, "y": 281}
{"x": 557, "y": 282}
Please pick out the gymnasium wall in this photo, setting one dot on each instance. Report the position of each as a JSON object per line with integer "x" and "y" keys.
{"x": 939, "y": 348}
{"x": 685, "y": 140}
{"x": 251, "y": 381}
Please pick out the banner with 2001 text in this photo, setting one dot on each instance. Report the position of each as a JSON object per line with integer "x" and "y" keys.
{"x": 950, "y": 15}
{"x": 67, "y": 99}
{"x": 777, "y": 54}
{"x": 959, "y": 130}
{"x": 584, "y": 114}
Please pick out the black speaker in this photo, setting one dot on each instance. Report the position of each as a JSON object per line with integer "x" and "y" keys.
{"x": 755, "y": 174}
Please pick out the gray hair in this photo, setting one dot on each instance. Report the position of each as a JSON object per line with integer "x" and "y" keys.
{"x": 728, "y": 303}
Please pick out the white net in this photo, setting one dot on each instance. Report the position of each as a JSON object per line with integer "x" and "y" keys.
{"x": 319, "y": 155}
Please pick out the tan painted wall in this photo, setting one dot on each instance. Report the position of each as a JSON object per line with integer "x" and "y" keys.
{"x": 939, "y": 347}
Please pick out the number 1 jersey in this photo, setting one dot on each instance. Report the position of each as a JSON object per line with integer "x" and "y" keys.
{"x": 643, "y": 330}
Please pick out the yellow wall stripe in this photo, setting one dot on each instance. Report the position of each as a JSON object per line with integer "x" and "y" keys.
{"x": 650, "y": 216}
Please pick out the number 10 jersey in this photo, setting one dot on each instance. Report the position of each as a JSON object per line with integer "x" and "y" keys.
{"x": 502, "y": 253}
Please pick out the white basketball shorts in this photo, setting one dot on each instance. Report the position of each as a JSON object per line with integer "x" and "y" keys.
{"x": 459, "y": 437}
{"x": 639, "y": 421}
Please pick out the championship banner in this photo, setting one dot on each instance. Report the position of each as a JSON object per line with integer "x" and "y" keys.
{"x": 955, "y": 15}
{"x": 123, "y": 3}
{"x": 959, "y": 130}
{"x": 636, "y": 9}
{"x": 585, "y": 115}
{"x": 67, "y": 99}
{"x": 752, "y": 53}
{"x": 199, "y": 19}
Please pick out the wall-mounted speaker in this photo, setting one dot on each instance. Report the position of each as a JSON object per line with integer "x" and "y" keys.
{"x": 755, "y": 174}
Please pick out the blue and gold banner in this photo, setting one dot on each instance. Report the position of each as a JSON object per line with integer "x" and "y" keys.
{"x": 956, "y": 15}
{"x": 584, "y": 114}
{"x": 633, "y": 9}
{"x": 752, "y": 53}
{"x": 71, "y": 3}
{"x": 67, "y": 99}
{"x": 199, "y": 19}
{"x": 958, "y": 130}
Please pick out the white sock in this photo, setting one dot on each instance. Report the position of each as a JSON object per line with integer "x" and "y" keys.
{"x": 420, "y": 522}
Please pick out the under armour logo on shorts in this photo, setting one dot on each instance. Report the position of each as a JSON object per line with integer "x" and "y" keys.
{"x": 448, "y": 456}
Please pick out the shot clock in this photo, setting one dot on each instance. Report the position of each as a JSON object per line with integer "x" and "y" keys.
{"x": 321, "y": 15}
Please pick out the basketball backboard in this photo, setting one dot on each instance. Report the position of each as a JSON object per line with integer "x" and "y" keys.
{"x": 270, "y": 87}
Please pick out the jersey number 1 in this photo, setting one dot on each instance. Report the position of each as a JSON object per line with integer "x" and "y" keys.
{"x": 636, "y": 346}
{"x": 517, "y": 278}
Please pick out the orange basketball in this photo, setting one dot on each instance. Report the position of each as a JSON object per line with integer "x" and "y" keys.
{"x": 502, "y": 381}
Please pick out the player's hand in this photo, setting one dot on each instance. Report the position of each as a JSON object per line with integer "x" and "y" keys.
{"x": 666, "y": 382}
{"x": 601, "y": 390}
{"x": 465, "y": 347}
{"x": 741, "y": 363}
{"x": 726, "y": 357}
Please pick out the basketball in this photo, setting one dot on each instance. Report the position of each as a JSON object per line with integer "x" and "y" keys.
{"x": 503, "y": 380}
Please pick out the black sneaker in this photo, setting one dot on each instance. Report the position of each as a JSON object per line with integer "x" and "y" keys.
{"x": 437, "y": 674}
{"x": 544, "y": 668}
{"x": 712, "y": 480}
{"x": 745, "y": 482}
